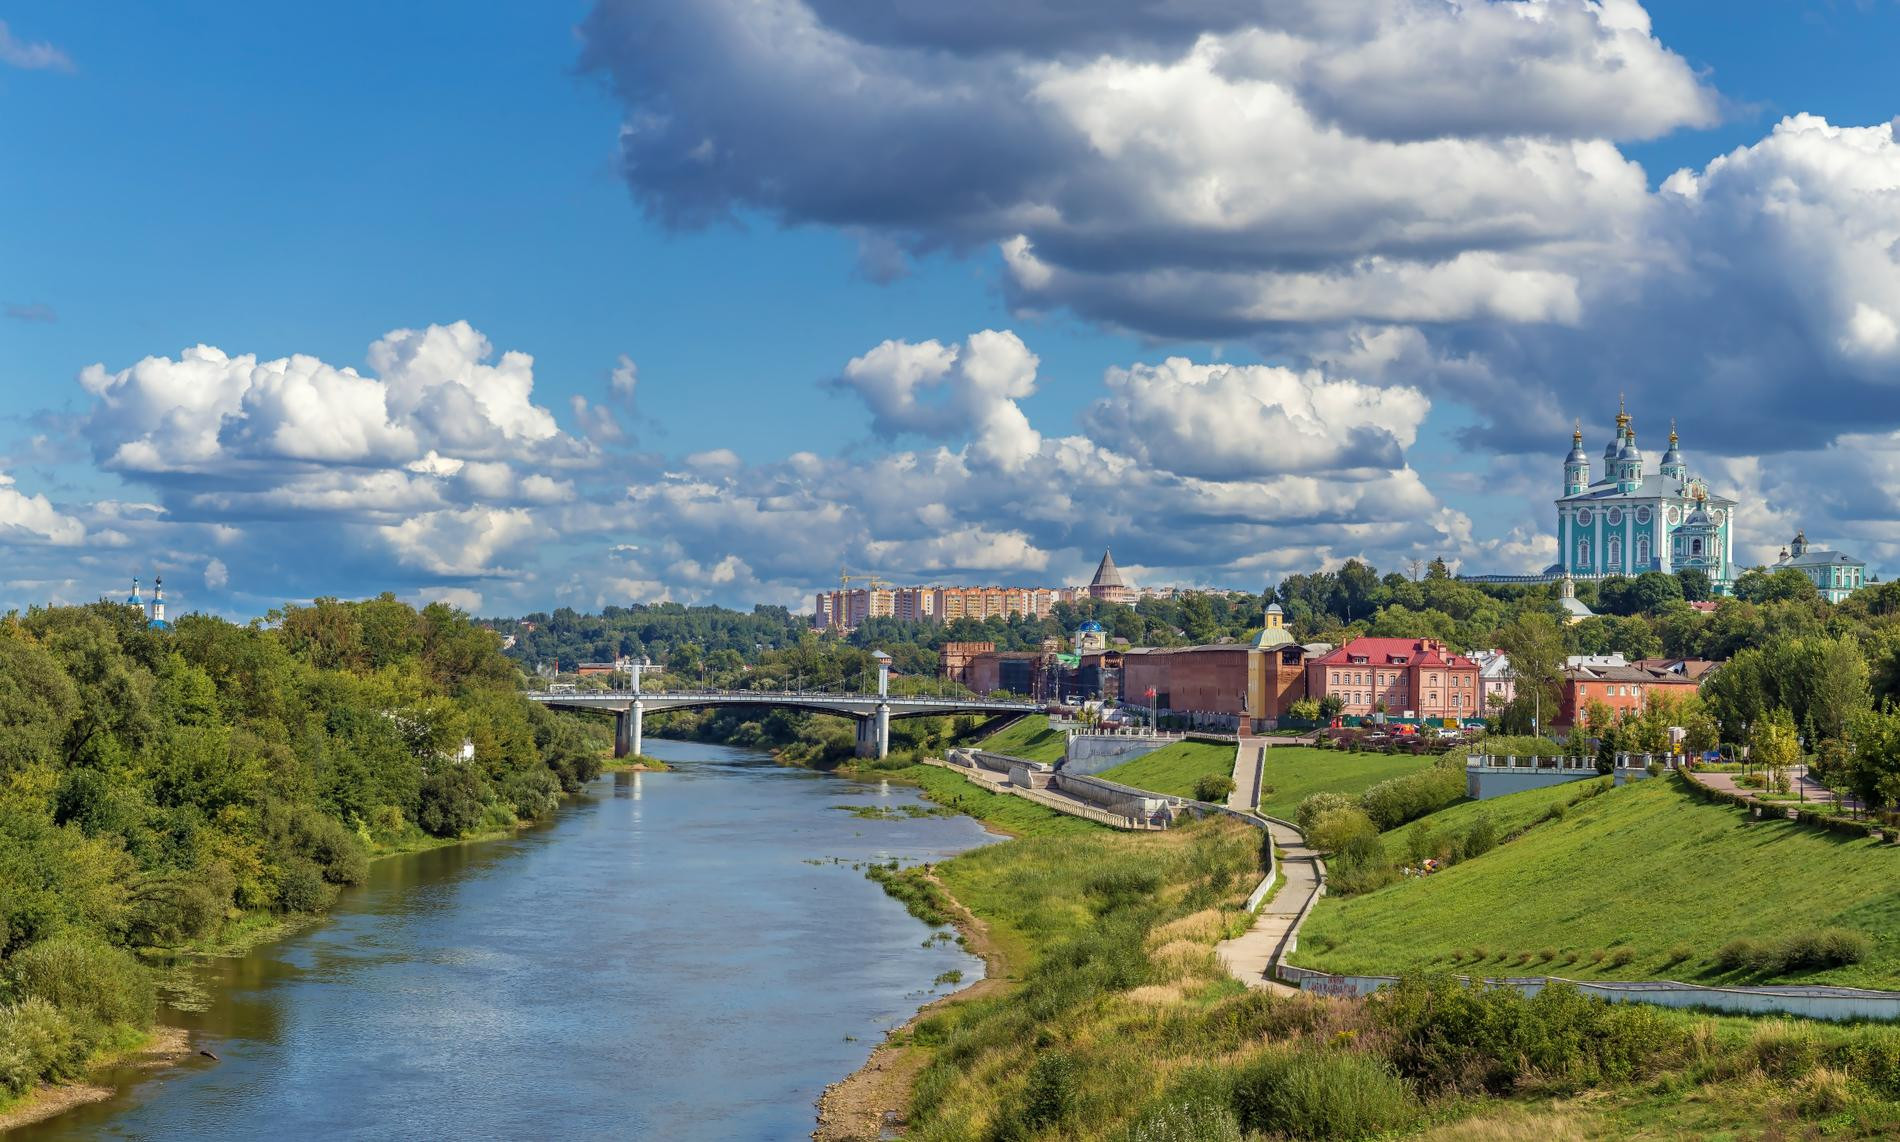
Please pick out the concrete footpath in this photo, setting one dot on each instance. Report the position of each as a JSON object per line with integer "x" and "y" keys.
{"x": 1250, "y": 957}
{"x": 1248, "y": 757}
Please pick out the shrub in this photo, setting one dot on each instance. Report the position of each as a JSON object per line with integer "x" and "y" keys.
{"x": 85, "y": 979}
{"x": 37, "y": 1044}
{"x": 1482, "y": 837}
{"x": 1338, "y": 828}
{"x": 1621, "y": 957}
{"x": 1213, "y": 787}
{"x": 1397, "y": 800}
{"x": 1678, "y": 953}
{"x": 1799, "y": 951}
{"x": 451, "y": 802}
{"x": 1468, "y": 1038}
{"x": 1051, "y": 1095}
{"x": 302, "y": 888}
{"x": 1318, "y": 805}
{"x": 1307, "y": 1093}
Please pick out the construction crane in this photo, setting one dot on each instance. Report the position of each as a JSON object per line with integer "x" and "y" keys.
{"x": 846, "y": 578}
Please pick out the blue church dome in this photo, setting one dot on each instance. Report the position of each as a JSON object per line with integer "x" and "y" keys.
{"x": 1091, "y": 627}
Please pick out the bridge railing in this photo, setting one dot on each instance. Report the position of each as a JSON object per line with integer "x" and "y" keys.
{"x": 783, "y": 695}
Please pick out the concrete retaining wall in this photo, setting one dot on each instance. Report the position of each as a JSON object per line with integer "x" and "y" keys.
{"x": 1092, "y": 753}
{"x": 1832, "y": 1003}
{"x": 1124, "y": 800}
{"x": 1490, "y": 776}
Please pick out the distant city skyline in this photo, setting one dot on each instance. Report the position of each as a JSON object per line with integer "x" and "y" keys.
{"x": 519, "y": 307}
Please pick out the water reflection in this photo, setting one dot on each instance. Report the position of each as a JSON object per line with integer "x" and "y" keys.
{"x": 678, "y": 957}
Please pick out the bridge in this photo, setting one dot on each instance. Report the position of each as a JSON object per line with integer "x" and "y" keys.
{"x": 873, "y": 712}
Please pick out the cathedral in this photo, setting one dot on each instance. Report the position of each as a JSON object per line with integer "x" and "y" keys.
{"x": 1629, "y": 521}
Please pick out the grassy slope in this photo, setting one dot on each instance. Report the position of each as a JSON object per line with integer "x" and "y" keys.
{"x": 1644, "y": 867}
{"x": 1029, "y": 738}
{"x": 1174, "y": 768}
{"x": 1508, "y": 814}
{"x": 1296, "y": 772}
{"x": 1001, "y": 811}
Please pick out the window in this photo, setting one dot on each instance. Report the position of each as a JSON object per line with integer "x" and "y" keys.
{"x": 1583, "y": 552}
{"x": 1335, "y": 677}
{"x": 1434, "y": 679}
{"x": 1616, "y": 552}
{"x": 1642, "y": 551}
{"x": 1695, "y": 547}
{"x": 1434, "y": 697}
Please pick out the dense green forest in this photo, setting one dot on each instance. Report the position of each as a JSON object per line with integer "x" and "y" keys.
{"x": 160, "y": 788}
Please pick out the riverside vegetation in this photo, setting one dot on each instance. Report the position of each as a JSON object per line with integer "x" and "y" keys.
{"x": 172, "y": 788}
{"x": 1117, "y": 1022}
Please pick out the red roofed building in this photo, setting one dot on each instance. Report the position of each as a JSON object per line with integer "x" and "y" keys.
{"x": 1412, "y": 677}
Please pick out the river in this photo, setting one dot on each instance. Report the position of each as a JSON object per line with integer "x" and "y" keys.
{"x": 677, "y": 955}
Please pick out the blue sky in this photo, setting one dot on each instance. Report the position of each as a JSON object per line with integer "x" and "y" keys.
{"x": 688, "y": 188}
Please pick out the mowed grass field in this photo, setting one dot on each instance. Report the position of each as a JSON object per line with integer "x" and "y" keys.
{"x": 1508, "y": 814}
{"x": 1647, "y": 868}
{"x": 1296, "y": 772}
{"x": 1173, "y": 769}
{"x": 1029, "y": 738}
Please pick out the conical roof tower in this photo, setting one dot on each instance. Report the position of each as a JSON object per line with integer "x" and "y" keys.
{"x": 1108, "y": 585}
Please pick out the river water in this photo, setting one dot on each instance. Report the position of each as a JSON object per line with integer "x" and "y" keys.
{"x": 678, "y": 955}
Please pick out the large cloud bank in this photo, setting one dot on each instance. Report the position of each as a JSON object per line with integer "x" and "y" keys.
{"x": 1401, "y": 190}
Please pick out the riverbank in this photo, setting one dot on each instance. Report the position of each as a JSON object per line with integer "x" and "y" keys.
{"x": 161, "y": 1047}
{"x": 875, "y": 1098}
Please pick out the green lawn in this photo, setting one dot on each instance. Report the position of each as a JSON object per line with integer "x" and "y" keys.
{"x": 1296, "y": 772}
{"x": 1173, "y": 769}
{"x": 1645, "y": 867}
{"x": 1029, "y": 738}
{"x": 1508, "y": 814}
{"x": 1002, "y": 811}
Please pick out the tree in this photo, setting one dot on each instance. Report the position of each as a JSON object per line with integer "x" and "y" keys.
{"x": 1872, "y": 769}
{"x": 1773, "y": 744}
{"x": 1438, "y": 569}
{"x": 1535, "y": 648}
{"x": 1696, "y": 586}
{"x": 1759, "y": 585}
{"x": 1330, "y": 706}
{"x": 1358, "y": 590}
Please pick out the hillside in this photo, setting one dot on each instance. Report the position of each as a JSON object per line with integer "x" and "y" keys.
{"x": 1029, "y": 738}
{"x": 1173, "y": 769}
{"x": 1294, "y": 773}
{"x": 1647, "y": 868}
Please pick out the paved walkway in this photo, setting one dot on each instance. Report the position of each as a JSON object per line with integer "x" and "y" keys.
{"x": 1813, "y": 791}
{"x": 1248, "y": 755}
{"x": 1250, "y": 957}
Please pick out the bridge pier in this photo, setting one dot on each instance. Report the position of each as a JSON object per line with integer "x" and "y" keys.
{"x": 629, "y": 729}
{"x": 874, "y": 733}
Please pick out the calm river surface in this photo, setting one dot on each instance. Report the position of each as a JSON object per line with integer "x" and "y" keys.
{"x": 675, "y": 957}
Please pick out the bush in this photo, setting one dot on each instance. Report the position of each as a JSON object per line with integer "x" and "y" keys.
{"x": 1482, "y": 837}
{"x": 451, "y": 802}
{"x": 85, "y": 979}
{"x": 37, "y": 1044}
{"x": 1468, "y": 1038}
{"x": 1308, "y": 1093}
{"x": 1800, "y": 951}
{"x": 1337, "y": 829}
{"x": 1397, "y": 800}
{"x": 1318, "y": 805}
{"x": 1051, "y": 1096}
{"x": 302, "y": 887}
{"x": 1213, "y": 788}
